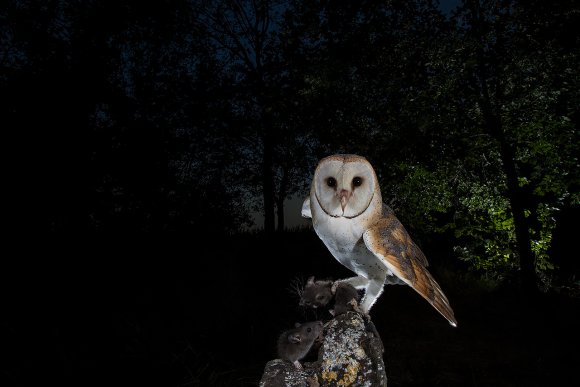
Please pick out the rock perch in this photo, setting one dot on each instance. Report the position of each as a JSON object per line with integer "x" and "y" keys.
{"x": 351, "y": 355}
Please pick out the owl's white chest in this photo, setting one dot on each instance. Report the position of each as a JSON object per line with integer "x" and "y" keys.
{"x": 343, "y": 238}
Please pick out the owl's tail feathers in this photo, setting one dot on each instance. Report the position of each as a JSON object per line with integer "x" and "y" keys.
{"x": 429, "y": 289}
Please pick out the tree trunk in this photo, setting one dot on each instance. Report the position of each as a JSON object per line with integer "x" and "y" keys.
{"x": 281, "y": 198}
{"x": 268, "y": 183}
{"x": 495, "y": 129}
{"x": 521, "y": 224}
{"x": 280, "y": 214}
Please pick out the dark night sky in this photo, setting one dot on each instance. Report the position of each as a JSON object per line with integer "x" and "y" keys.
{"x": 448, "y": 5}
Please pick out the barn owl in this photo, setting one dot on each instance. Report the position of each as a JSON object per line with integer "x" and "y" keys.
{"x": 364, "y": 235}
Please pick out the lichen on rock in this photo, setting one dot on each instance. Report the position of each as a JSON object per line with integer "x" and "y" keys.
{"x": 280, "y": 373}
{"x": 351, "y": 355}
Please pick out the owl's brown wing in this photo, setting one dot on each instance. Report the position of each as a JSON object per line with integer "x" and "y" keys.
{"x": 411, "y": 249}
{"x": 390, "y": 242}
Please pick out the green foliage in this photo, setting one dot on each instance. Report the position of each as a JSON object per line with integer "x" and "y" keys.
{"x": 421, "y": 195}
{"x": 409, "y": 97}
{"x": 231, "y": 103}
{"x": 448, "y": 199}
{"x": 476, "y": 212}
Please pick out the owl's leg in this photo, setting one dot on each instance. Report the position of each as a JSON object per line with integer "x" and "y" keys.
{"x": 358, "y": 282}
{"x": 372, "y": 292}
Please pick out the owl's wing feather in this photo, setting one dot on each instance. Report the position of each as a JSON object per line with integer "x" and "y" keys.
{"x": 414, "y": 250}
{"x": 389, "y": 241}
{"x": 306, "y": 209}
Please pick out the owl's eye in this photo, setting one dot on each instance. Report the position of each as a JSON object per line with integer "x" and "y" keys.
{"x": 331, "y": 182}
{"x": 308, "y": 330}
{"x": 357, "y": 181}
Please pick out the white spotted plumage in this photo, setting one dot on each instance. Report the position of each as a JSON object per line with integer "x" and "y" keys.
{"x": 364, "y": 235}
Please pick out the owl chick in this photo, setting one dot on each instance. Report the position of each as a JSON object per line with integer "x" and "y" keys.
{"x": 364, "y": 235}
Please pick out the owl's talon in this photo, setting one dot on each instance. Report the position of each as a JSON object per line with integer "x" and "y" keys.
{"x": 334, "y": 286}
{"x": 355, "y": 306}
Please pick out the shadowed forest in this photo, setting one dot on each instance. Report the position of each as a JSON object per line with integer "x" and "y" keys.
{"x": 153, "y": 149}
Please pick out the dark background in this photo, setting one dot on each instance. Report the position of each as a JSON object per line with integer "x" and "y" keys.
{"x": 152, "y": 149}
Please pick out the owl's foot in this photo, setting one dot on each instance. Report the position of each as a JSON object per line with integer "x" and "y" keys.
{"x": 356, "y": 307}
{"x": 334, "y": 286}
{"x": 298, "y": 365}
{"x": 366, "y": 314}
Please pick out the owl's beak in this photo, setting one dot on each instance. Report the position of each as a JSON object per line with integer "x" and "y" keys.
{"x": 344, "y": 195}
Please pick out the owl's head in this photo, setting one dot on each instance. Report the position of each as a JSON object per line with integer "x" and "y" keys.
{"x": 345, "y": 185}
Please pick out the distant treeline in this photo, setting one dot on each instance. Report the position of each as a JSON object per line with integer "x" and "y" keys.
{"x": 187, "y": 115}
